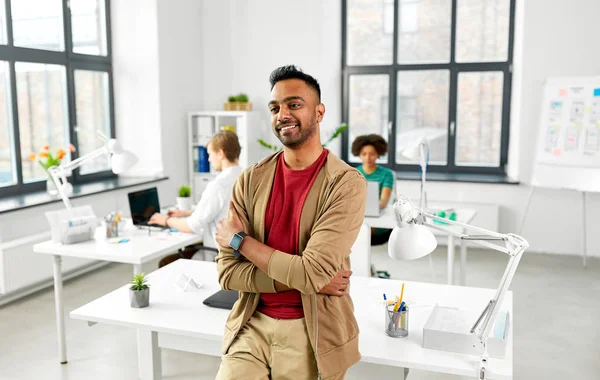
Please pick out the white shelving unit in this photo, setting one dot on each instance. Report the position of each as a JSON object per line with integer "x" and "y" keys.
{"x": 203, "y": 125}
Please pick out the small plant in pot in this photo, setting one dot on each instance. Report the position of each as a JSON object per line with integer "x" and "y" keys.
{"x": 184, "y": 200}
{"x": 139, "y": 292}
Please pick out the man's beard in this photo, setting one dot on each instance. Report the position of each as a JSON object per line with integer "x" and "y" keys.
{"x": 303, "y": 134}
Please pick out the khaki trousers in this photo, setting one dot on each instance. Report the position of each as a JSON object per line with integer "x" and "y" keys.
{"x": 269, "y": 348}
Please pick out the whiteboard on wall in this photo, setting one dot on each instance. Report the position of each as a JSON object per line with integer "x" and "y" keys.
{"x": 568, "y": 145}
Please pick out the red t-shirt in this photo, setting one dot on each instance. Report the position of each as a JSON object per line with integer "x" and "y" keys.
{"x": 282, "y": 229}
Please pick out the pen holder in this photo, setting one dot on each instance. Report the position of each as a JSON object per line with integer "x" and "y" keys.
{"x": 111, "y": 228}
{"x": 396, "y": 322}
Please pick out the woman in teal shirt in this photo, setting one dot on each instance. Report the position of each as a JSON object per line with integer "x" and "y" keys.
{"x": 369, "y": 148}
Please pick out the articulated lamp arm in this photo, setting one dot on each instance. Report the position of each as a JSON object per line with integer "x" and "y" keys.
{"x": 411, "y": 221}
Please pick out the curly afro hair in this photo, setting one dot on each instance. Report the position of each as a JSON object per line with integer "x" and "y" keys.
{"x": 378, "y": 142}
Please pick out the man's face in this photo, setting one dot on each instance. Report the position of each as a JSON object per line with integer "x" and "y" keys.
{"x": 295, "y": 112}
{"x": 214, "y": 157}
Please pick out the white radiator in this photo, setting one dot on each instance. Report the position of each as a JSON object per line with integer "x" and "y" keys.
{"x": 21, "y": 268}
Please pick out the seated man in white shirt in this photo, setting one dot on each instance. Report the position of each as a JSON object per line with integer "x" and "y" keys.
{"x": 223, "y": 153}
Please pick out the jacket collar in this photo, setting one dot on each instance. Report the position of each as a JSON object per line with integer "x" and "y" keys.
{"x": 333, "y": 166}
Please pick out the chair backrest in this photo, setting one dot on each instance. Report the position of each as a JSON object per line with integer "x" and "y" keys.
{"x": 360, "y": 253}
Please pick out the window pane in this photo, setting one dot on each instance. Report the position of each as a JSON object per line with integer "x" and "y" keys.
{"x": 3, "y": 38}
{"x": 38, "y": 24}
{"x": 43, "y": 114}
{"x": 424, "y": 31}
{"x": 422, "y": 111}
{"x": 89, "y": 27}
{"x": 369, "y": 108}
{"x": 91, "y": 96}
{"x": 7, "y": 153}
{"x": 482, "y": 30}
{"x": 370, "y": 42}
{"x": 479, "y": 118}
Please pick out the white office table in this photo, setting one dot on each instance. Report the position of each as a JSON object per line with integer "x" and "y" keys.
{"x": 463, "y": 215}
{"x": 178, "y": 320}
{"x": 141, "y": 248}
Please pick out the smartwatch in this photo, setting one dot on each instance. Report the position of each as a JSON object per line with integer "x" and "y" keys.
{"x": 236, "y": 241}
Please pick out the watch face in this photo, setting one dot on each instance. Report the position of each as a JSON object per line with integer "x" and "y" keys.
{"x": 235, "y": 242}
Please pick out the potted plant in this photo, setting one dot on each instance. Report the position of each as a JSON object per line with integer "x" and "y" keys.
{"x": 238, "y": 102}
{"x": 46, "y": 160}
{"x": 184, "y": 200}
{"x": 139, "y": 292}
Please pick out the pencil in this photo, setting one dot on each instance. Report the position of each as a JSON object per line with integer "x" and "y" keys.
{"x": 400, "y": 299}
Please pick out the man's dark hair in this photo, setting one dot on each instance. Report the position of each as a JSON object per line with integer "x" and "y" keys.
{"x": 374, "y": 140}
{"x": 292, "y": 72}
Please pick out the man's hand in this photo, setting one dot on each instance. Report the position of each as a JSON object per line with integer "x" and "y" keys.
{"x": 339, "y": 285}
{"x": 178, "y": 213}
{"x": 228, "y": 227}
{"x": 158, "y": 219}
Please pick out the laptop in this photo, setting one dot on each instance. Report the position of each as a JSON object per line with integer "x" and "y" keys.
{"x": 223, "y": 299}
{"x": 143, "y": 204}
{"x": 372, "y": 209}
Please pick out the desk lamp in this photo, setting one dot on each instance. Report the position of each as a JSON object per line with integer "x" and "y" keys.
{"x": 412, "y": 238}
{"x": 420, "y": 152}
{"x": 120, "y": 162}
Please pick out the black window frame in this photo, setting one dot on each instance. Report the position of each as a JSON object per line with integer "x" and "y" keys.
{"x": 455, "y": 68}
{"x": 71, "y": 61}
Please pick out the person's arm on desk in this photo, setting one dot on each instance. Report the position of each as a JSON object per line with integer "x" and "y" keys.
{"x": 171, "y": 222}
{"x": 329, "y": 244}
{"x": 386, "y": 192}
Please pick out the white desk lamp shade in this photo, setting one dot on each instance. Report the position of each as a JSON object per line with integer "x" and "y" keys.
{"x": 121, "y": 160}
{"x": 410, "y": 242}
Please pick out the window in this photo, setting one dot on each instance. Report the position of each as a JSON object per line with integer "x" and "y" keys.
{"x": 55, "y": 87}
{"x": 439, "y": 69}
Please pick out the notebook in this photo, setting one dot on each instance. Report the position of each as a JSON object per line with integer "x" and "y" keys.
{"x": 223, "y": 299}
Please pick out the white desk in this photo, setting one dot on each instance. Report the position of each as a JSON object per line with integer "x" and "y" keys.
{"x": 463, "y": 215}
{"x": 178, "y": 320}
{"x": 141, "y": 248}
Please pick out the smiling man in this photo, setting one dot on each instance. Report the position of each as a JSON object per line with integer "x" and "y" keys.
{"x": 285, "y": 245}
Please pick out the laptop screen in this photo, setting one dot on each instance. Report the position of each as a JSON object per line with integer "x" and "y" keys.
{"x": 143, "y": 204}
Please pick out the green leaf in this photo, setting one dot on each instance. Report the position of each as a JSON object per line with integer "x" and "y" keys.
{"x": 268, "y": 146}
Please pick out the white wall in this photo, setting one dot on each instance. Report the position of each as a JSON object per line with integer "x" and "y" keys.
{"x": 136, "y": 82}
{"x": 245, "y": 40}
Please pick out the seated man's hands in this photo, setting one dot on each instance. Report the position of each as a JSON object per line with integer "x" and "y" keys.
{"x": 339, "y": 285}
{"x": 178, "y": 213}
{"x": 159, "y": 219}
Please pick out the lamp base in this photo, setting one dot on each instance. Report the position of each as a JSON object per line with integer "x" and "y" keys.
{"x": 448, "y": 329}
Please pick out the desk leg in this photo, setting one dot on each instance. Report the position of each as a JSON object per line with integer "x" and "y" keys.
{"x": 450, "y": 259}
{"x": 149, "y": 358}
{"x": 463, "y": 260}
{"x": 60, "y": 311}
{"x": 137, "y": 268}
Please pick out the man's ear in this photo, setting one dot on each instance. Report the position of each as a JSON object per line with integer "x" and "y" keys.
{"x": 320, "y": 112}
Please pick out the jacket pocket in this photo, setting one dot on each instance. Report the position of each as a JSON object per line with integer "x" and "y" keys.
{"x": 337, "y": 324}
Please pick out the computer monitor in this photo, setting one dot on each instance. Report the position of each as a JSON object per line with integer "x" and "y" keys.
{"x": 143, "y": 204}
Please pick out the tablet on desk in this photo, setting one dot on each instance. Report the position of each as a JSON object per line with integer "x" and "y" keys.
{"x": 223, "y": 299}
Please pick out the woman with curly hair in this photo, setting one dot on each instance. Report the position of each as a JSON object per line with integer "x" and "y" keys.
{"x": 369, "y": 148}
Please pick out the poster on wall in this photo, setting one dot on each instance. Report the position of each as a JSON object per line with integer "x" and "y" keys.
{"x": 568, "y": 147}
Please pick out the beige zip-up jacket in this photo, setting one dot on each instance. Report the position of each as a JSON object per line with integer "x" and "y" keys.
{"x": 331, "y": 218}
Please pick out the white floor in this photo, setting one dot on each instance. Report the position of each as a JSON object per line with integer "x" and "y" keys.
{"x": 556, "y": 324}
